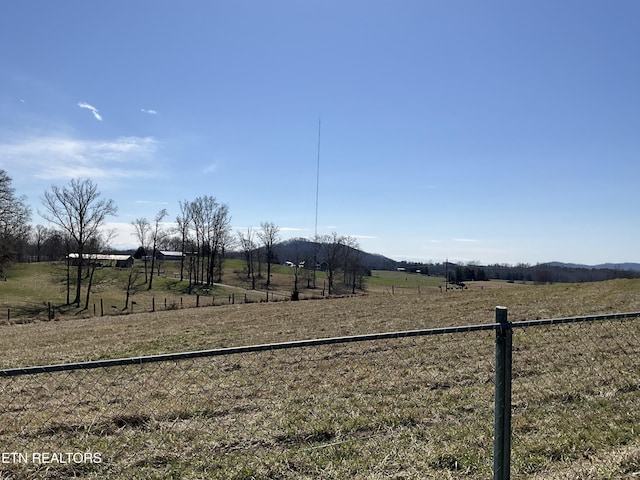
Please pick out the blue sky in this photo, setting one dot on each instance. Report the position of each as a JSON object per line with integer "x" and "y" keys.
{"x": 493, "y": 131}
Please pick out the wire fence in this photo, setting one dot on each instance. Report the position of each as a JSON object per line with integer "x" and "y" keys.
{"x": 30, "y": 312}
{"x": 576, "y": 398}
{"x": 417, "y": 404}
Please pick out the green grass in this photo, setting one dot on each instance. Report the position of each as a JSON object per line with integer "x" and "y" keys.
{"x": 403, "y": 279}
{"x": 32, "y": 287}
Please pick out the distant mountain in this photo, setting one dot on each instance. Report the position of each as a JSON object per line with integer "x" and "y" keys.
{"x": 552, "y": 272}
{"x": 634, "y": 267}
{"x": 566, "y": 265}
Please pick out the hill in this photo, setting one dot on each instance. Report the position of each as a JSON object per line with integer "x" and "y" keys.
{"x": 299, "y": 250}
{"x": 552, "y": 272}
{"x": 626, "y": 266}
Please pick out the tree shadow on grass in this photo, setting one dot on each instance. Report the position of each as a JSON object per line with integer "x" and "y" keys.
{"x": 28, "y": 313}
{"x": 44, "y": 312}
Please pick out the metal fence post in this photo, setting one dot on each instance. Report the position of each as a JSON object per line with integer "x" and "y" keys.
{"x": 502, "y": 420}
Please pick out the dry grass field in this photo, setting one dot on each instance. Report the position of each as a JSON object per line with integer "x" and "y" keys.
{"x": 404, "y": 408}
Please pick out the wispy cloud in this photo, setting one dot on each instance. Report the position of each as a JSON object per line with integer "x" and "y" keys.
{"x": 62, "y": 157}
{"x": 149, "y": 111}
{"x": 293, "y": 229}
{"x": 91, "y": 108}
{"x": 466, "y": 240}
{"x": 211, "y": 168}
{"x": 366, "y": 237}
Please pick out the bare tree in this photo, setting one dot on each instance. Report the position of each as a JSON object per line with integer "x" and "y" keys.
{"x": 353, "y": 264}
{"x": 220, "y": 240}
{"x": 133, "y": 285}
{"x": 183, "y": 223}
{"x": 269, "y": 234}
{"x": 248, "y": 245}
{"x": 203, "y": 212}
{"x": 211, "y": 224}
{"x": 199, "y": 228}
{"x": 142, "y": 230}
{"x": 40, "y": 234}
{"x": 332, "y": 250}
{"x": 52, "y": 247}
{"x": 341, "y": 258}
{"x": 77, "y": 210}
{"x": 14, "y": 221}
{"x": 156, "y": 238}
{"x": 97, "y": 244}
{"x": 298, "y": 263}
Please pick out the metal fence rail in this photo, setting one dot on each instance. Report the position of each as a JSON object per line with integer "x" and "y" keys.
{"x": 13, "y": 372}
{"x": 431, "y": 403}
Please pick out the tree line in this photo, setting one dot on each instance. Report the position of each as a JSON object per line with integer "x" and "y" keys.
{"x": 201, "y": 232}
{"x": 338, "y": 256}
{"x": 541, "y": 273}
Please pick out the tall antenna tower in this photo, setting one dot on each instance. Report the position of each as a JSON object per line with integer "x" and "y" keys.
{"x": 315, "y": 233}
{"x": 317, "y": 182}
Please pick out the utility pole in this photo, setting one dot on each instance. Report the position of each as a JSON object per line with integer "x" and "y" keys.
{"x": 446, "y": 275}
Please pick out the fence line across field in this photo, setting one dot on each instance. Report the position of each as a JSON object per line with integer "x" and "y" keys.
{"x": 502, "y": 368}
{"x": 150, "y": 305}
{"x": 14, "y": 372}
{"x": 32, "y": 370}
